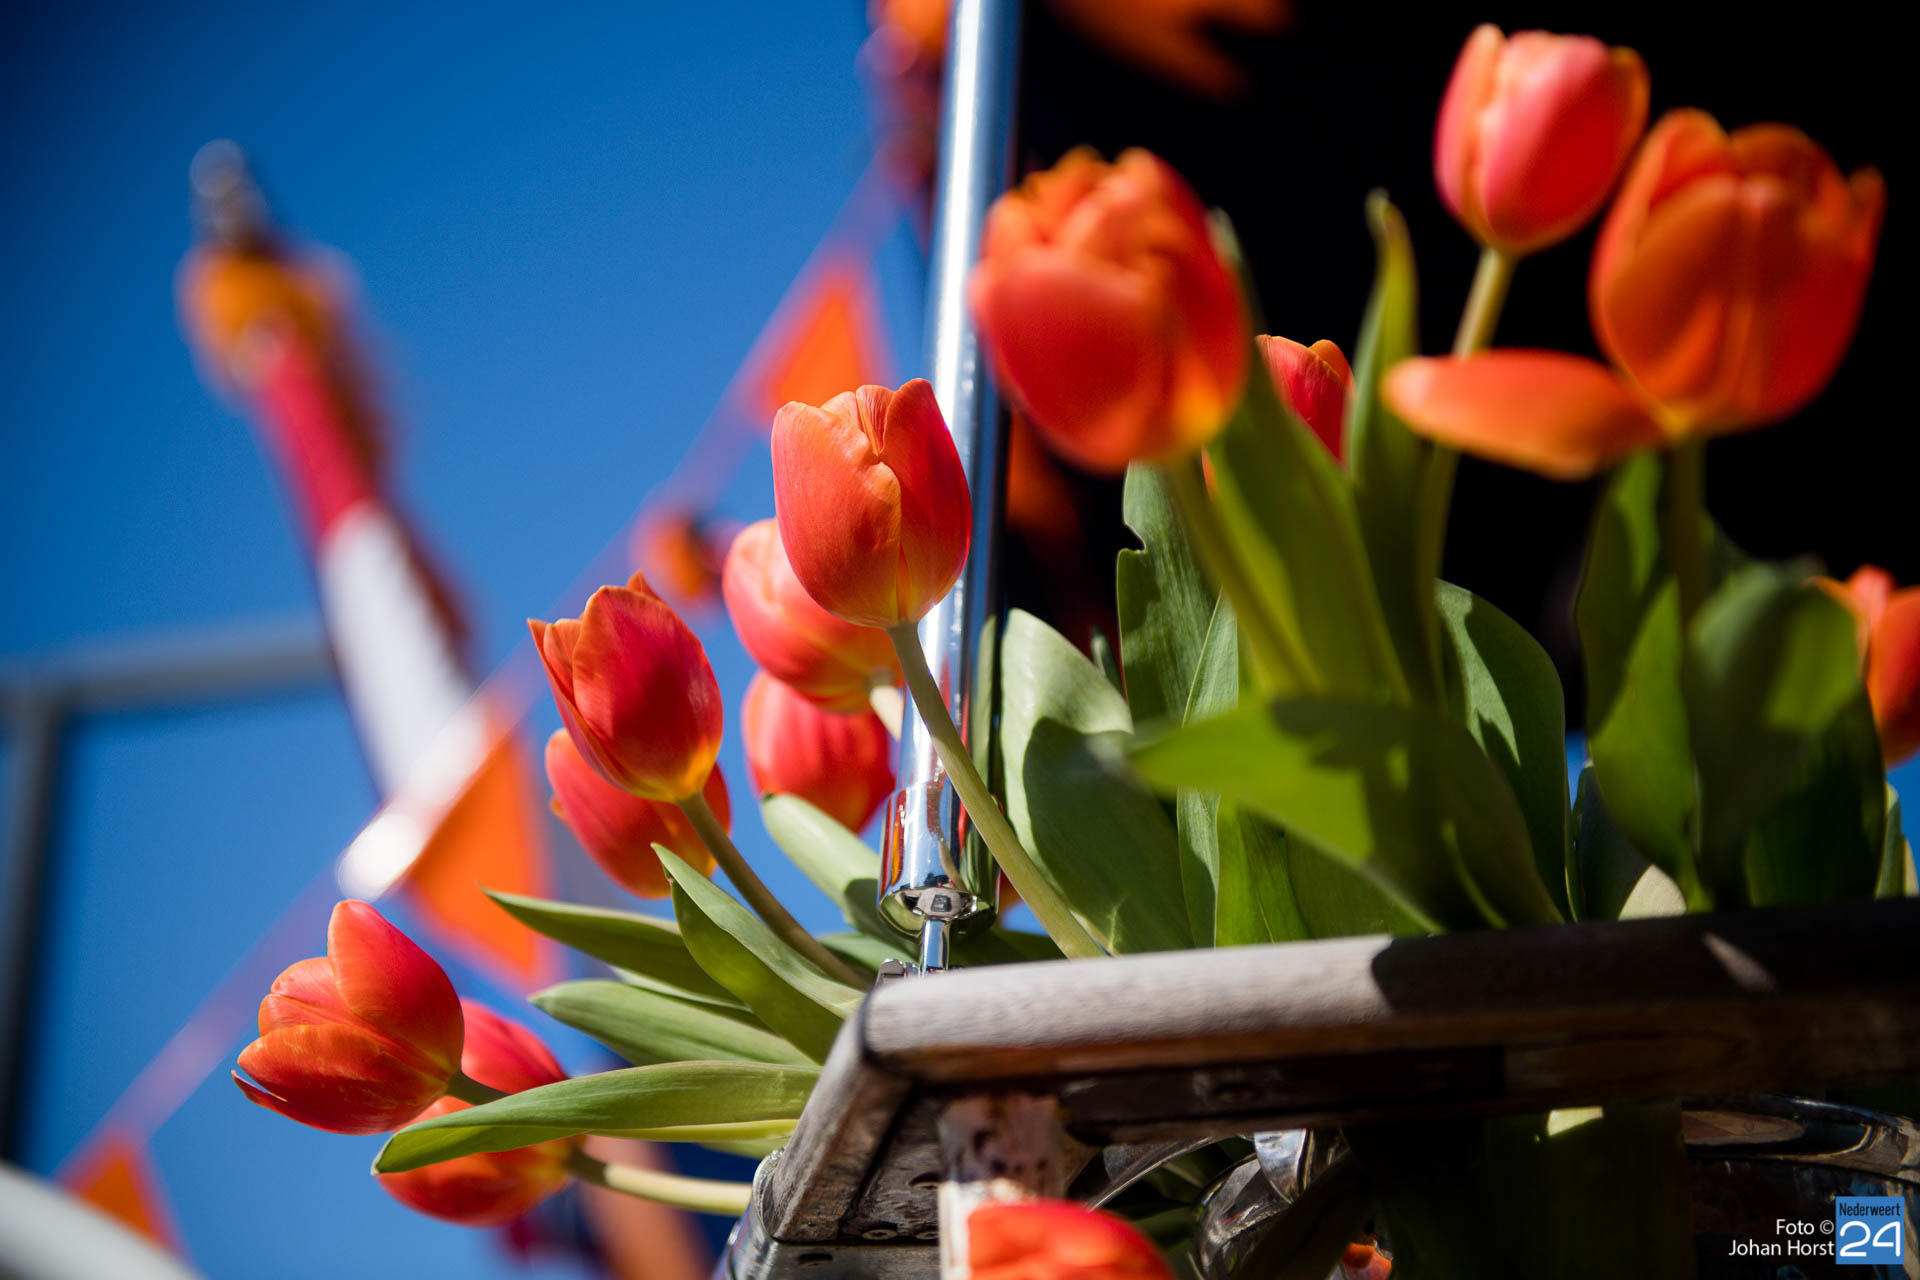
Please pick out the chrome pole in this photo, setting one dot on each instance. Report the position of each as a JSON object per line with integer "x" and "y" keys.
{"x": 934, "y": 876}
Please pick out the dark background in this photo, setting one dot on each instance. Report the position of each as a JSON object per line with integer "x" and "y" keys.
{"x": 1344, "y": 100}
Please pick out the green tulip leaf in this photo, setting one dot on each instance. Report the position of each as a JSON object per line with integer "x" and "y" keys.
{"x": 1213, "y": 687}
{"x": 1390, "y": 463}
{"x": 1608, "y": 878}
{"x": 1399, "y": 794}
{"x": 1288, "y": 512}
{"x": 1897, "y": 876}
{"x": 1106, "y": 842}
{"x": 746, "y": 957}
{"x": 1257, "y": 902}
{"x": 669, "y": 1102}
{"x": 1628, "y": 615}
{"x": 1771, "y": 660}
{"x": 1163, "y": 599}
{"x": 1825, "y": 838}
{"x": 646, "y": 1026}
{"x": 867, "y": 953}
{"x": 647, "y": 949}
{"x": 1503, "y": 687}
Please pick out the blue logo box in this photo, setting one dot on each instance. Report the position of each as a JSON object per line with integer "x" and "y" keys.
{"x": 1868, "y": 1229}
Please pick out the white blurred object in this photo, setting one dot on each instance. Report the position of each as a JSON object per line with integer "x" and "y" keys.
{"x": 47, "y": 1235}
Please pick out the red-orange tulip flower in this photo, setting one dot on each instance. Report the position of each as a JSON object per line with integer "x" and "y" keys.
{"x": 1533, "y": 131}
{"x": 494, "y": 1187}
{"x": 1058, "y": 1240}
{"x": 1314, "y": 382}
{"x": 358, "y": 1040}
{"x": 635, "y": 691}
{"x": 1729, "y": 273}
{"x": 872, "y": 502}
{"x": 840, "y": 764}
{"x": 1726, "y": 286}
{"x": 1889, "y": 653}
{"x": 832, "y": 662}
{"x": 619, "y": 830}
{"x": 1111, "y": 319}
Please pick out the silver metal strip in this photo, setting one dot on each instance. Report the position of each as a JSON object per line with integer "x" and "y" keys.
{"x": 933, "y": 875}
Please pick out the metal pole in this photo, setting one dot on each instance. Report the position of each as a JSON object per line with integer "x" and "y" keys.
{"x": 33, "y": 748}
{"x": 934, "y": 877}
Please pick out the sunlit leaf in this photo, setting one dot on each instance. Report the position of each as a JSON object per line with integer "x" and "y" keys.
{"x": 1399, "y": 794}
{"x": 678, "y": 1101}
{"x": 1105, "y": 841}
{"x": 1503, "y": 687}
{"x": 645, "y": 1026}
{"x": 648, "y": 948}
{"x": 748, "y": 959}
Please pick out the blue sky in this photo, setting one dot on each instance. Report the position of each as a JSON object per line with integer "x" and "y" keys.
{"x": 568, "y": 226}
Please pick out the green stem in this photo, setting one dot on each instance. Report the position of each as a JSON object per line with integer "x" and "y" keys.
{"x": 1686, "y": 497}
{"x": 1276, "y": 658}
{"x": 1039, "y": 893}
{"x": 761, "y": 898}
{"x": 1484, "y": 301}
{"x": 1434, "y": 501}
{"x": 702, "y": 1195}
{"x": 467, "y": 1089}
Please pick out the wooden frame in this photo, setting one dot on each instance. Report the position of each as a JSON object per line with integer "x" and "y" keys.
{"x": 1183, "y": 1046}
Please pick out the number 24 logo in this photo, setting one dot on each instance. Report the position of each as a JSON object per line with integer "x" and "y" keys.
{"x": 1852, "y": 1246}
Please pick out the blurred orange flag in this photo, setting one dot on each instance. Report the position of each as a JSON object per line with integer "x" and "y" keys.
{"x": 117, "y": 1177}
{"x": 492, "y": 837}
{"x": 830, "y": 340}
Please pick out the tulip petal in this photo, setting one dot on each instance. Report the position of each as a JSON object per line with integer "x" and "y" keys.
{"x": 1893, "y": 675}
{"x": 336, "y": 1078}
{"x": 839, "y": 510}
{"x": 303, "y": 995}
{"x": 1558, "y": 415}
{"x": 646, "y": 693}
{"x": 1080, "y": 350}
{"x": 785, "y": 630}
{"x": 395, "y": 988}
{"x": 840, "y": 764}
{"x": 504, "y": 1055}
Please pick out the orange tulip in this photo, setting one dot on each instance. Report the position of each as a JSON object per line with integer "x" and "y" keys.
{"x": 494, "y": 1187}
{"x": 1730, "y": 272}
{"x": 1889, "y": 622}
{"x": 831, "y": 662}
{"x": 1726, "y": 286}
{"x": 618, "y": 830}
{"x": 1058, "y": 1240}
{"x": 872, "y": 502}
{"x": 840, "y": 764}
{"x": 1533, "y": 131}
{"x": 682, "y": 552}
{"x": 1111, "y": 319}
{"x": 635, "y": 691}
{"x": 358, "y": 1040}
{"x": 1314, "y": 382}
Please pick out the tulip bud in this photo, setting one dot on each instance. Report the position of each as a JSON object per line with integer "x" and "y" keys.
{"x": 1730, "y": 272}
{"x": 798, "y": 643}
{"x": 359, "y": 1040}
{"x": 1111, "y": 319}
{"x": 1532, "y": 133}
{"x": 1314, "y": 382}
{"x": 1058, "y": 1240}
{"x": 1889, "y": 622}
{"x": 618, "y": 830}
{"x": 840, "y": 764}
{"x": 494, "y": 1187}
{"x": 872, "y": 502}
{"x": 635, "y": 691}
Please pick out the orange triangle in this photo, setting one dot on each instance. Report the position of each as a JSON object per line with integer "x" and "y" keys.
{"x": 118, "y": 1178}
{"x": 831, "y": 343}
{"x": 493, "y": 836}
